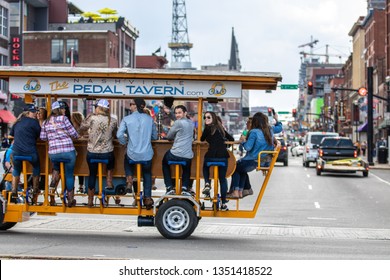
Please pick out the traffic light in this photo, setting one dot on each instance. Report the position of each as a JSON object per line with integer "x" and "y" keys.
{"x": 269, "y": 112}
{"x": 310, "y": 88}
{"x": 294, "y": 113}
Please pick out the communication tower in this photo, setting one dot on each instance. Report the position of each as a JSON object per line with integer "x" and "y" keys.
{"x": 180, "y": 45}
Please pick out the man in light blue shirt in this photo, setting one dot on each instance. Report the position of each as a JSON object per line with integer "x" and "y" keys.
{"x": 140, "y": 130}
{"x": 182, "y": 133}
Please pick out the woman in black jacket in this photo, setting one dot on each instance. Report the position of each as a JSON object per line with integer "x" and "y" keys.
{"x": 215, "y": 135}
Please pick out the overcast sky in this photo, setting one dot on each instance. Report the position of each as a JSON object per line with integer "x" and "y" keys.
{"x": 268, "y": 33}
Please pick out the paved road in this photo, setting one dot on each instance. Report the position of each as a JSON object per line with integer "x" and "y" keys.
{"x": 302, "y": 216}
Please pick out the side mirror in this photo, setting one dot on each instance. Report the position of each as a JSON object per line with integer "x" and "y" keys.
{"x": 315, "y": 146}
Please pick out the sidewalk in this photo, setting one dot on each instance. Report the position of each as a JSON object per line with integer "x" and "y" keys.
{"x": 383, "y": 166}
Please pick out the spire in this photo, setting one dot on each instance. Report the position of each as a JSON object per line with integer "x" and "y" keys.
{"x": 234, "y": 61}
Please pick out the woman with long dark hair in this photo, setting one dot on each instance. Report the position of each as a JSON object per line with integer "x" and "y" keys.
{"x": 259, "y": 138}
{"x": 215, "y": 135}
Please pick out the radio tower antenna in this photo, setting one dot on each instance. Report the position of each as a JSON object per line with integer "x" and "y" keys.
{"x": 180, "y": 45}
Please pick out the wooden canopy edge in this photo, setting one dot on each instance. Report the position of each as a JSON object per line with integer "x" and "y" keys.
{"x": 249, "y": 80}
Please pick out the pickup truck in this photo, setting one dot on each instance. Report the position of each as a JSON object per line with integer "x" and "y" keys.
{"x": 338, "y": 154}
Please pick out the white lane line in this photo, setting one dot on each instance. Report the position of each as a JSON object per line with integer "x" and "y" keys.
{"x": 317, "y": 205}
{"x": 380, "y": 179}
{"x": 318, "y": 218}
{"x": 310, "y": 187}
{"x": 308, "y": 175}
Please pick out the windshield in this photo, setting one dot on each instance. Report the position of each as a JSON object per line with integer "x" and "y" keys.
{"x": 316, "y": 139}
{"x": 337, "y": 143}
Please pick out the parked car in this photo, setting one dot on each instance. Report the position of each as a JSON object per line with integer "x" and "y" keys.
{"x": 297, "y": 150}
{"x": 312, "y": 140}
{"x": 283, "y": 153}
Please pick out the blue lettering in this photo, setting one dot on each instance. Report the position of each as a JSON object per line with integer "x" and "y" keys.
{"x": 107, "y": 89}
{"x": 97, "y": 89}
{"x": 77, "y": 88}
{"x": 87, "y": 89}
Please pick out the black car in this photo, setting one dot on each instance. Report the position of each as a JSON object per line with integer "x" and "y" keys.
{"x": 283, "y": 153}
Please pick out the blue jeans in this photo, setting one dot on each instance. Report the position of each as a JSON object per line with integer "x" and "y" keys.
{"x": 69, "y": 166}
{"x": 146, "y": 170}
{"x": 93, "y": 166}
{"x": 18, "y": 164}
{"x": 240, "y": 175}
{"x": 221, "y": 174}
{"x": 167, "y": 169}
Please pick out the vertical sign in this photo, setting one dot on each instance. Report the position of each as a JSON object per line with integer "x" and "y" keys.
{"x": 16, "y": 51}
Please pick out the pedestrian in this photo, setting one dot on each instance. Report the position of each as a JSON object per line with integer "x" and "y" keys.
{"x": 140, "y": 130}
{"x": 363, "y": 147}
{"x": 25, "y": 131}
{"x": 181, "y": 133}
{"x": 102, "y": 131}
{"x": 357, "y": 146}
{"x": 59, "y": 132}
{"x": 215, "y": 135}
{"x": 259, "y": 138}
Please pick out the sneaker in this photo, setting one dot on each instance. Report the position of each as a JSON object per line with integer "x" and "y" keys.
{"x": 224, "y": 207}
{"x": 170, "y": 191}
{"x": 206, "y": 189}
{"x": 185, "y": 192}
{"x": 247, "y": 192}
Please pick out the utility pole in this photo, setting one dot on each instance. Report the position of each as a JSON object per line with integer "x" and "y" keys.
{"x": 370, "y": 124}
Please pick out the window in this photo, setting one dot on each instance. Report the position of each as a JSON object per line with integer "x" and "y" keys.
{"x": 72, "y": 45}
{"x": 61, "y": 51}
{"x": 3, "y": 21}
{"x": 57, "y": 51}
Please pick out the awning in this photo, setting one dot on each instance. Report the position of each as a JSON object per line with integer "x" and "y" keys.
{"x": 363, "y": 127}
{"x": 6, "y": 117}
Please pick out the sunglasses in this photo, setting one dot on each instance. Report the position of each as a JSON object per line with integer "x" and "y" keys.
{"x": 207, "y": 117}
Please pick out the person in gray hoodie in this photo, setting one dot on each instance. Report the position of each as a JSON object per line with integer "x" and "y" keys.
{"x": 182, "y": 133}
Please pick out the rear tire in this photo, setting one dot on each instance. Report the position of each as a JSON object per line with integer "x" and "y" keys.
{"x": 365, "y": 173}
{"x": 318, "y": 172}
{"x": 176, "y": 219}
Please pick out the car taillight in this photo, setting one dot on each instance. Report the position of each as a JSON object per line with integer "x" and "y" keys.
{"x": 320, "y": 152}
{"x": 284, "y": 148}
{"x": 307, "y": 148}
{"x": 355, "y": 153}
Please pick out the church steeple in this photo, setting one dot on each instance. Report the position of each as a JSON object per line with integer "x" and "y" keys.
{"x": 234, "y": 61}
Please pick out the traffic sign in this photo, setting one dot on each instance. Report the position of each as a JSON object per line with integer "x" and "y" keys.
{"x": 289, "y": 86}
{"x": 283, "y": 113}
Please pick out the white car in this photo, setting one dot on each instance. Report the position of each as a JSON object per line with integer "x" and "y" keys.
{"x": 297, "y": 150}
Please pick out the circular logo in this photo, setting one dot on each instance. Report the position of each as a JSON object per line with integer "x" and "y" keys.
{"x": 217, "y": 89}
{"x": 32, "y": 85}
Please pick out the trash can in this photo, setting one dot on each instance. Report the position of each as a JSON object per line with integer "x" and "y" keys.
{"x": 382, "y": 154}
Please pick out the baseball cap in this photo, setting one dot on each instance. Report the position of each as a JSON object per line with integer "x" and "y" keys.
{"x": 56, "y": 105}
{"x": 102, "y": 103}
{"x": 30, "y": 108}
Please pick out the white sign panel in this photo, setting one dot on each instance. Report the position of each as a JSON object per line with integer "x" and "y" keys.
{"x": 125, "y": 87}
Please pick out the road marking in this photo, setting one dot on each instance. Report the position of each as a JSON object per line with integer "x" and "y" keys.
{"x": 317, "y": 205}
{"x": 308, "y": 175}
{"x": 310, "y": 187}
{"x": 380, "y": 179}
{"x": 318, "y": 218}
